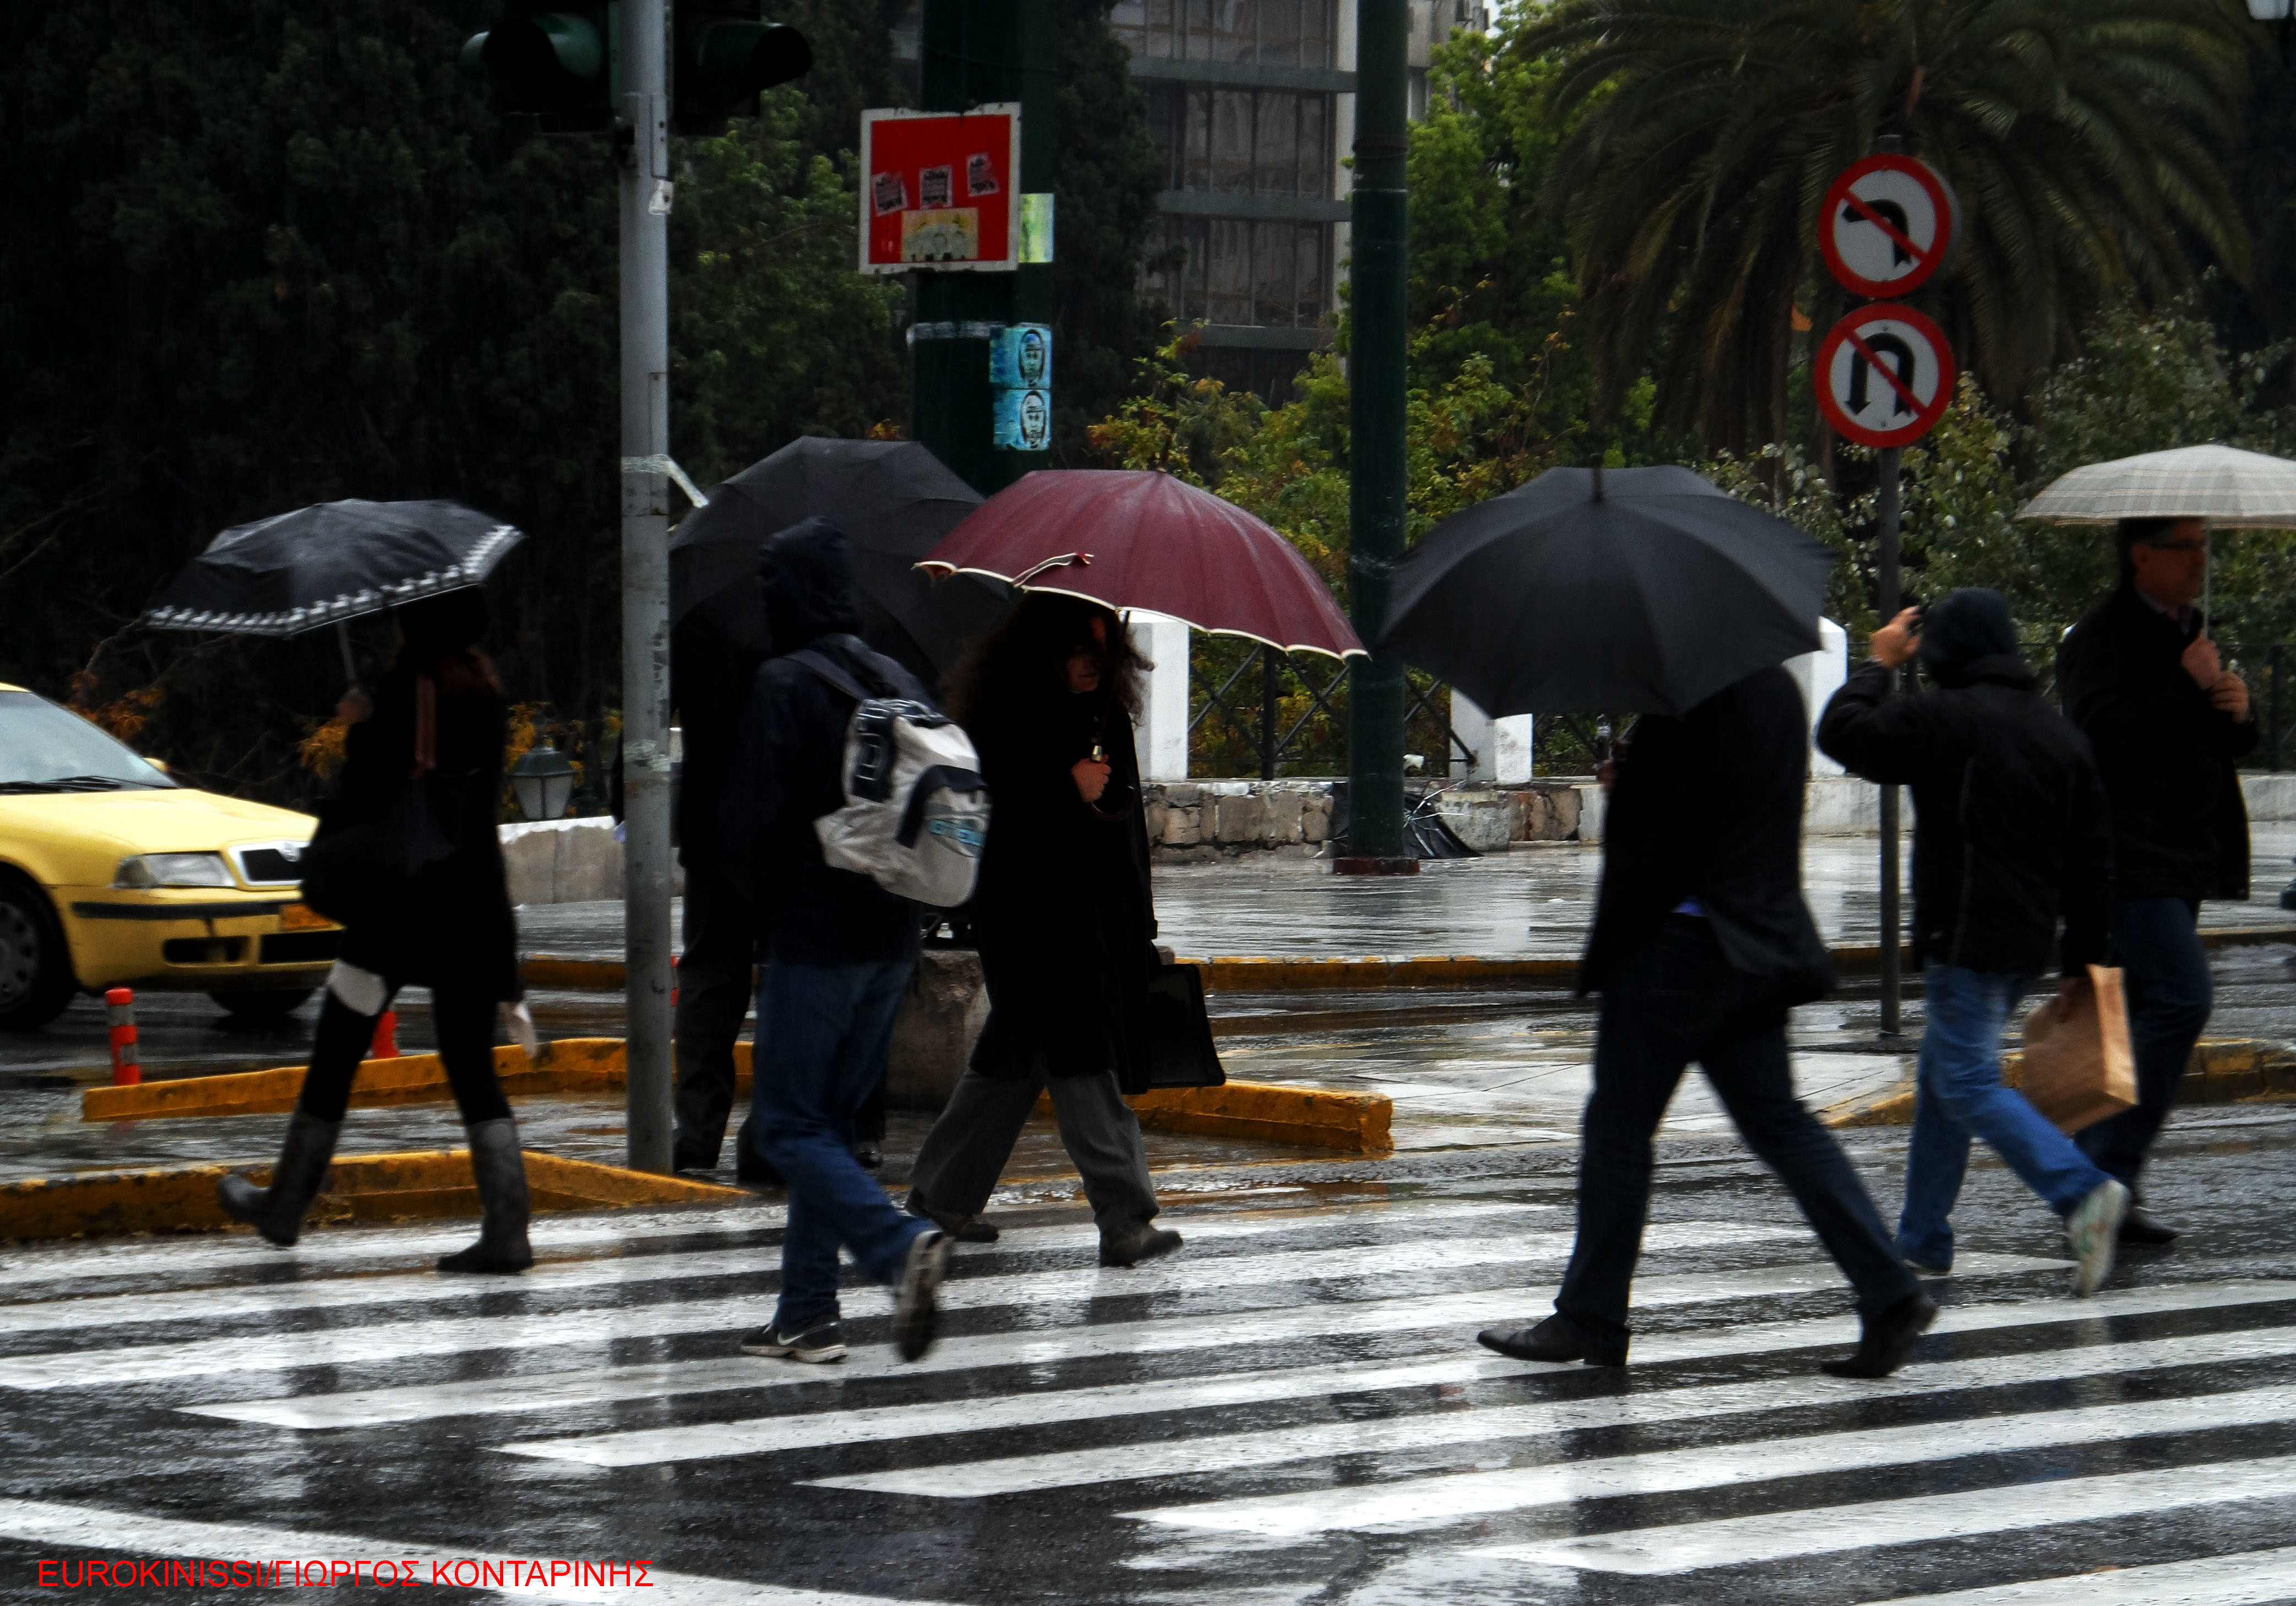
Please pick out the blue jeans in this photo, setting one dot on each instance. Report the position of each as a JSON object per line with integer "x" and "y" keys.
{"x": 1960, "y": 1096}
{"x": 2157, "y": 943}
{"x": 823, "y": 1030}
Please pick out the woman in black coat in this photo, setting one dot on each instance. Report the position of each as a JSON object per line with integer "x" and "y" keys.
{"x": 1064, "y": 921}
{"x": 437, "y": 722}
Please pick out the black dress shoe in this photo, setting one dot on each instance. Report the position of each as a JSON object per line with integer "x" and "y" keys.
{"x": 757, "y": 1173}
{"x": 964, "y": 1229}
{"x": 1887, "y": 1339}
{"x": 1556, "y": 1338}
{"x": 2140, "y": 1226}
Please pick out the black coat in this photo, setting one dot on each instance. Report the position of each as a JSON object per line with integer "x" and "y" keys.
{"x": 454, "y": 924}
{"x": 2169, "y": 760}
{"x": 1063, "y": 913}
{"x": 710, "y": 682}
{"x": 1709, "y": 806}
{"x": 2010, "y": 824}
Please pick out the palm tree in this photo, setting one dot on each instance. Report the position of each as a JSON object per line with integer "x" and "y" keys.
{"x": 2085, "y": 139}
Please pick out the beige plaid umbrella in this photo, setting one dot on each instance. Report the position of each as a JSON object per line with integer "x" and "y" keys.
{"x": 2230, "y": 488}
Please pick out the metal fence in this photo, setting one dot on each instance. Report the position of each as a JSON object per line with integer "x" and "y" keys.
{"x": 1252, "y": 709}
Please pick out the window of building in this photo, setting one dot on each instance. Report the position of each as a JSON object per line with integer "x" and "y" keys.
{"x": 1268, "y": 33}
{"x": 1238, "y": 270}
{"x": 1243, "y": 142}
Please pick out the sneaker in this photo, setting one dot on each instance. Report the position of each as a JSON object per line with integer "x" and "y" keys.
{"x": 1129, "y": 1245}
{"x": 916, "y": 1309}
{"x": 2094, "y": 1229}
{"x": 1927, "y": 1268}
{"x": 818, "y": 1340}
{"x": 871, "y": 1156}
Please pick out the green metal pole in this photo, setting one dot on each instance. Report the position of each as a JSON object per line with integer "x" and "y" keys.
{"x": 976, "y": 52}
{"x": 1378, "y": 241}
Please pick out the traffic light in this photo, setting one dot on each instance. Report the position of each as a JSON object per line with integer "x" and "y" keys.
{"x": 726, "y": 55}
{"x": 552, "y": 64}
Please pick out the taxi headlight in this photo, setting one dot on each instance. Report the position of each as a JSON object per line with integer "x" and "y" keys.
{"x": 174, "y": 870}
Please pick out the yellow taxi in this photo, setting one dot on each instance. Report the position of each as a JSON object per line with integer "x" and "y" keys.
{"x": 113, "y": 875}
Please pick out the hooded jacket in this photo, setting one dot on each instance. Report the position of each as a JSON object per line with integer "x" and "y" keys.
{"x": 2169, "y": 760}
{"x": 2010, "y": 825}
{"x": 789, "y": 762}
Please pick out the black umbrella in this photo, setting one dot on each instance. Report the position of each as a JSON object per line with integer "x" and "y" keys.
{"x": 1638, "y": 590}
{"x": 295, "y": 572}
{"x": 893, "y": 500}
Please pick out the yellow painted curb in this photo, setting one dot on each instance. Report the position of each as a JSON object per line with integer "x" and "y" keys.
{"x": 1266, "y": 1112}
{"x": 2223, "y": 1070}
{"x": 419, "y": 1184}
{"x": 569, "y": 1066}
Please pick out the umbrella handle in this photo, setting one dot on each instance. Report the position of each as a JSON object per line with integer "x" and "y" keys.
{"x": 343, "y": 640}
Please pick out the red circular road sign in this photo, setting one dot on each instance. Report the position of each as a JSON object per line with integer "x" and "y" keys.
{"x": 1886, "y": 224}
{"x": 1885, "y": 375}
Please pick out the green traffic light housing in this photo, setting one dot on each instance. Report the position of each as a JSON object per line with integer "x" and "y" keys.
{"x": 725, "y": 56}
{"x": 549, "y": 63}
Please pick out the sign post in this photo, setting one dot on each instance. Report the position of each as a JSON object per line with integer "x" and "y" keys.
{"x": 1883, "y": 377}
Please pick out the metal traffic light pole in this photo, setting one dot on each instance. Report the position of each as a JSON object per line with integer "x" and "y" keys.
{"x": 644, "y": 115}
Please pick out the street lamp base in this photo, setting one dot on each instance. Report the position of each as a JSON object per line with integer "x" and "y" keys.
{"x": 1371, "y": 865}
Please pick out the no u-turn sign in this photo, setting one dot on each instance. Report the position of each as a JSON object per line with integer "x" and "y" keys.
{"x": 1885, "y": 375}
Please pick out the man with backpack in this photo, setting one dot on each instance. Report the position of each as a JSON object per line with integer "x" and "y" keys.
{"x": 837, "y": 951}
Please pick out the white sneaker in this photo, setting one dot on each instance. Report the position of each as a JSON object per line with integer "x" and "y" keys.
{"x": 916, "y": 1311}
{"x": 2094, "y": 1229}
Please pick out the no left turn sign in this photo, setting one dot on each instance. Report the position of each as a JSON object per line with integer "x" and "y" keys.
{"x": 1887, "y": 225}
{"x": 1885, "y": 375}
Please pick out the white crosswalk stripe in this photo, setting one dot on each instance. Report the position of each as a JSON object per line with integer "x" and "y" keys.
{"x": 1300, "y": 1377}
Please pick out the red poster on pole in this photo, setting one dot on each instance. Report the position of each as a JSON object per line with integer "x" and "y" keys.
{"x": 941, "y": 190}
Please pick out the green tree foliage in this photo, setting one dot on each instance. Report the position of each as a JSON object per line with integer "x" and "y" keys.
{"x": 2082, "y": 136}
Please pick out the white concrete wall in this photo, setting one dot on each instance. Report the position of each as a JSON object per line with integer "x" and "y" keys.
{"x": 1161, "y": 740}
{"x": 1820, "y": 674}
{"x": 1502, "y": 748}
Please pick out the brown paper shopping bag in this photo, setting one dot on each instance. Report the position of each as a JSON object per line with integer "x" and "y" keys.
{"x": 2079, "y": 1071}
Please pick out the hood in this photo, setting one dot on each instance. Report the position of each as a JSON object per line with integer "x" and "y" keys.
{"x": 1967, "y": 627}
{"x": 806, "y": 573}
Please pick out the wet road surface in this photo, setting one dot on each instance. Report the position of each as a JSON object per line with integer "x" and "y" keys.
{"x": 1289, "y": 1413}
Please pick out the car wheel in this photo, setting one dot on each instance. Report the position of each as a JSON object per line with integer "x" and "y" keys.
{"x": 252, "y": 1009}
{"x": 35, "y": 974}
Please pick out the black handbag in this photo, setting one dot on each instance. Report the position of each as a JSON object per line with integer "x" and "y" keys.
{"x": 351, "y": 872}
{"x": 1180, "y": 1052}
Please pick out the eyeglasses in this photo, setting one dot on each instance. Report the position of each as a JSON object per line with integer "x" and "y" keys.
{"x": 2187, "y": 544}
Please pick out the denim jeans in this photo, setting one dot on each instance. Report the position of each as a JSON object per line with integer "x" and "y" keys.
{"x": 1673, "y": 1000}
{"x": 823, "y": 1030}
{"x": 1959, "y": 1096}
{"x": 2156, "y": 942}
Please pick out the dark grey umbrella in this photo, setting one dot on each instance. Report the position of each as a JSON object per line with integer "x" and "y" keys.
{"x": 1636, "y": 590}
{"x": 295, "y": 572}
{"x": 893, "y": 500}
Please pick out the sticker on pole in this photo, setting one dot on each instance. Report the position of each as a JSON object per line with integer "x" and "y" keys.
{"x": 941, "y": 190}
{"x": 1888, "y": 225}
{"x": 1884, "y": 376}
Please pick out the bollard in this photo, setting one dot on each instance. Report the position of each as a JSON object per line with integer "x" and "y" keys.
{"x": 385, "y": 1037}
{"x": 127, "y": 1059}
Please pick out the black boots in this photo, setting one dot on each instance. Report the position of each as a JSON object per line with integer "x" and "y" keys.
{"x": 277, "y": 1211}
{"x": 1885, "y": 1341}
{"x": 1556, "y": 1338}
{"x": 499, "y": 1168}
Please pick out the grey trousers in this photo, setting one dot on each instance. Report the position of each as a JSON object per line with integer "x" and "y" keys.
{"x": 957, "y": 1168}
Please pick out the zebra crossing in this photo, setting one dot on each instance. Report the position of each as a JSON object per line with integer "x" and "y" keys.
{"x": 1291, "y": 1410}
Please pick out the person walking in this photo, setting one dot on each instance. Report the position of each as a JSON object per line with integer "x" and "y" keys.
{"x": 436, "y": 724}
{"x": 838, "y": 953}
{"x": 1065, "y": 923}
{"x": 1701, "y": 946}
{"x": 2010, "y": 832}
{"x": 2170, "y": 723}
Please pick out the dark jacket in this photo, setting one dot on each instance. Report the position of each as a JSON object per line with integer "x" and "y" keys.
{"x": 1709, "y": 806}
{"x": 2010, "y": 825}
{"x": 2169, "y": 760}
{"x": 454, "y": 923}
{"x": 1063, "y": 912}
{"x": 710, "y": 681}
{"x": 788, "y": 771}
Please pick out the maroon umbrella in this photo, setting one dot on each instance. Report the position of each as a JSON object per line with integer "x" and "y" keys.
{"x": 1138, "y": 539}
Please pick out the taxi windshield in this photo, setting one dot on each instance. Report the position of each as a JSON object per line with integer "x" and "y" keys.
{"x": 44, "y": 748}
